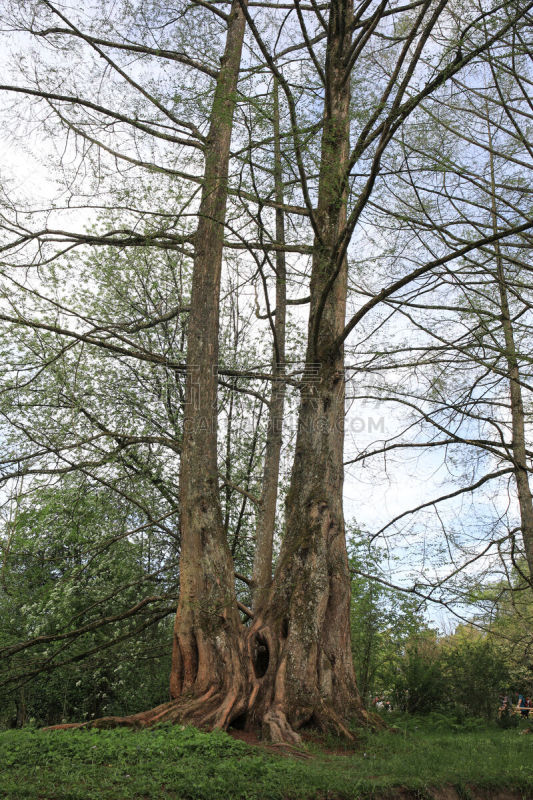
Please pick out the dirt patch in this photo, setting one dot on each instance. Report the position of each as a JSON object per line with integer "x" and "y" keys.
{"x": 476, "y": 793}
{"x": 451, "y": 793}
{"x": 445, "y": 793}
{"x": 250, "y": 737}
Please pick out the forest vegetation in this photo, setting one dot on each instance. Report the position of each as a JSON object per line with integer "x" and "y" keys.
{"x": 266, "y": 374}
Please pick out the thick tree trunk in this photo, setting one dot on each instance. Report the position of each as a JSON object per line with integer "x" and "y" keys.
{"x": 266, "y": 518}
{"x": 207, "y": 666}
{"x": 300, "y": 638}
{"x": 293, "y": 665}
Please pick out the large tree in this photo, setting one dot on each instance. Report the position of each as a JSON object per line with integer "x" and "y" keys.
{"x": 367, "y": 70}
{"x": 302, "y": 627}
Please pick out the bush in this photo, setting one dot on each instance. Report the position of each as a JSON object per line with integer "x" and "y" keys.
{"x": 419, "y": 686}
{"x": 507, "y": 720}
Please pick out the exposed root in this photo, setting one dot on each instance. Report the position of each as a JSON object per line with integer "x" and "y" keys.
{"x": 328, "y": 720}
{"x": 276, "y": 728}
{"x": 216, "y": 711}
{"x": 140, "y": 720}
{"x": 64, "y": 726}
{"x": 292, "y": 749}
{"x": 211, "y": 711}
{"x": 373, "y": 721}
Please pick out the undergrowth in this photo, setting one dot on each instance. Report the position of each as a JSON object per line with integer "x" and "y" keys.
{"x": 174, "y": 762}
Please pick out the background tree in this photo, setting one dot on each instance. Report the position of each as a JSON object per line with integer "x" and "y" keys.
{"x": 456, "y": 375}
{"x": 383, "y": 622}
{"x": 89, "y": 592}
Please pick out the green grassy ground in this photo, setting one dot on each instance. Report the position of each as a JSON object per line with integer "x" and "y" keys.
{"x": 176, "y": 762}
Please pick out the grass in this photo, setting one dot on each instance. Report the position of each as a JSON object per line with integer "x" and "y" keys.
{"x": 176, "y": 762}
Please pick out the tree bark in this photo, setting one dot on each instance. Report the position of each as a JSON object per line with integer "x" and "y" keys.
{"x": 293, "y": 666}
{"x": 299, "y": 641}
{"x": 207, "y": 666}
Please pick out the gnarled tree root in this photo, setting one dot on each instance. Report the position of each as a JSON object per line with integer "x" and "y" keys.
{"x": 216, "y": 711}
{"x": 212, "y": 710}
{"x": 276, "y": 728}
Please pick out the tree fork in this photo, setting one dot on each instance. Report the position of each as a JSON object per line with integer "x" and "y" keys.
{"x": 293, "y": 666}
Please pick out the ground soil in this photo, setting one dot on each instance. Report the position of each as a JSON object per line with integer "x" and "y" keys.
{"x": 451, "y": 793}
{"x": 250, "y": 737}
